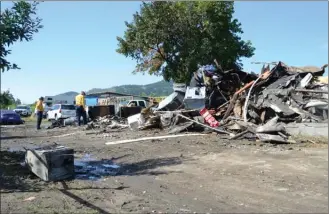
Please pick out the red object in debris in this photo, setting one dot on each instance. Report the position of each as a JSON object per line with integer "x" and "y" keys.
{"x": 212, "y": 111}
{"x": 209, "y": 118}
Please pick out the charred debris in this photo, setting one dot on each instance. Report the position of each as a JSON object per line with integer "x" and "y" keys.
{"x": 237, "y": 103}
{"x": 242, "y": 105}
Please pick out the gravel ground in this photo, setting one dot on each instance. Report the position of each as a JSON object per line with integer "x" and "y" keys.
{"x": 197, "y": 174}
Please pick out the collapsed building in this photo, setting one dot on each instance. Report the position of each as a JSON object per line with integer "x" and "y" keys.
{"x": 231, "y": 102}
{"x": 266, "y": 107}
{"x": 244, "y": 104}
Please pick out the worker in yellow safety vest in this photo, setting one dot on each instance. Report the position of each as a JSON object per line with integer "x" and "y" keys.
{"x": 81, "y": 108}
{"x": 40, "y": 109}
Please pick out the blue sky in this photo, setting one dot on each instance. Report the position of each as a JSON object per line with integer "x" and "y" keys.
{"x": 76, "y": 49}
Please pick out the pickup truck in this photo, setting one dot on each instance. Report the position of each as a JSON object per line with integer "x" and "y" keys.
{"x": 140, "y": 103}
{"x": 131, "y": 103}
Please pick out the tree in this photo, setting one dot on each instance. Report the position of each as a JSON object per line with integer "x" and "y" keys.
{"x": 18, "y": 102}
{"x": 143, "y": 94}
{"x": 18, "y": 23}
{"x": 6, "y": 99}
{"x": 172, "y": 38}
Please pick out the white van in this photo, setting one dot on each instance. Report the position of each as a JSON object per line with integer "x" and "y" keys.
{"x": 61, "y": 111}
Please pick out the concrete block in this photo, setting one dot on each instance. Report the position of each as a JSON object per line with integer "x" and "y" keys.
{"x": 52, "y": 163}
{"x": 308, "y": 129}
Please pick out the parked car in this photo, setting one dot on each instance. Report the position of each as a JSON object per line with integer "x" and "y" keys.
{"x": 23, "y": 110}
{"x": 10, "y": 117}
{"x": 140, "y": 103}
{"x": 46, "y": 109}
{"x": 61, "y": 111}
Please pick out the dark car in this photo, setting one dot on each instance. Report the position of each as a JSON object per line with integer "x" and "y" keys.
{"x": 10, "y": 117}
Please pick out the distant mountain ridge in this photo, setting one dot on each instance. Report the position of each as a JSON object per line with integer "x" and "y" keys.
{"x": 161, "y": 88}
{"x": 69, "y": 93}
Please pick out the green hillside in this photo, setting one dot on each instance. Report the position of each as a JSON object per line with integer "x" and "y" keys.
{"x": 161, "y": 88}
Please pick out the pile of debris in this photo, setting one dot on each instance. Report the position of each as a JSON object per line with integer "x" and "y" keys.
{"x": 242, "y": 104}
{"x": 233, "y": 102}
{"x": 107, "y": 122}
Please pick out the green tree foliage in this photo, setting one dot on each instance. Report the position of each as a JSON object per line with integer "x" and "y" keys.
{"x": 18, "y": 102}
{"x": 6, "y": 99}
{"x": 143, "y": 94}
{"x": 18, "y": 23}
{"x": 172, "y": 38}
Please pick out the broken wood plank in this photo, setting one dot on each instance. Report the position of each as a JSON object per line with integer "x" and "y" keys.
{"x": 65, "y": 135}
{"x": 150, "y": 138}
{"x": 311, "y": 91}
{"x": 239, "y": 135}
{"x": 178, "y": 111}
{"x": 181, "y": 127}
{"x": 224, "y": 104}
{"x": 231, "y": 105}
{"x": 204, "y": 125}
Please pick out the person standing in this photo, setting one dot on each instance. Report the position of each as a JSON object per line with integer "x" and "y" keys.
{"x": 39, "y": 111}
{"x": 81, "y": 108}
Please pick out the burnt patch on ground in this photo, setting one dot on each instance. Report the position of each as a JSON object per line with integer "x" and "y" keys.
{"x": 15, "y": 176}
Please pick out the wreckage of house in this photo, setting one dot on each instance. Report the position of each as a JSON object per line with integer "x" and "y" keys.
{"x": 273, "y": 107}
{"x": 267, "y": 107}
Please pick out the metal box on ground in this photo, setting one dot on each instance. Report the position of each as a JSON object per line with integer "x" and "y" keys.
{"x": 100, "y": 111}
{"x": 51, "y": 163}
{"x": 126, "y": 112}
{"x": 195, "y": 98}
{"x": 135, "y": 121}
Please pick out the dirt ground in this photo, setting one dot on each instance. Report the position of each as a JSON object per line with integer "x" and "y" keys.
{"x": 199, "y": 174}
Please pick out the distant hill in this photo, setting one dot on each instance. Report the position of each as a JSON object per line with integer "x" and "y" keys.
{"x": 69, "y": 93}
{"x": 66, "y": 96}
{"x": 161, "y": 88}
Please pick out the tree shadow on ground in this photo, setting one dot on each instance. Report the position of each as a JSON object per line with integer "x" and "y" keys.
{"x": 17, "y": 178}
{"x": 148, "y": 166}
{"x": 75, "y": 197}
{"x": 145, "y": 167}
{"x": 14, "y": 176}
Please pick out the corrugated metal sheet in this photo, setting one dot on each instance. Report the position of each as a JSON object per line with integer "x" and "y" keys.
{"x": 91, "y": 101}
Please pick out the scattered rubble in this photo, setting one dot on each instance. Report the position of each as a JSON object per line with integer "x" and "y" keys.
{"x": 236, "y": 103}
{"x": 242, "y": 104}
{"x": 107, "y": 122}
